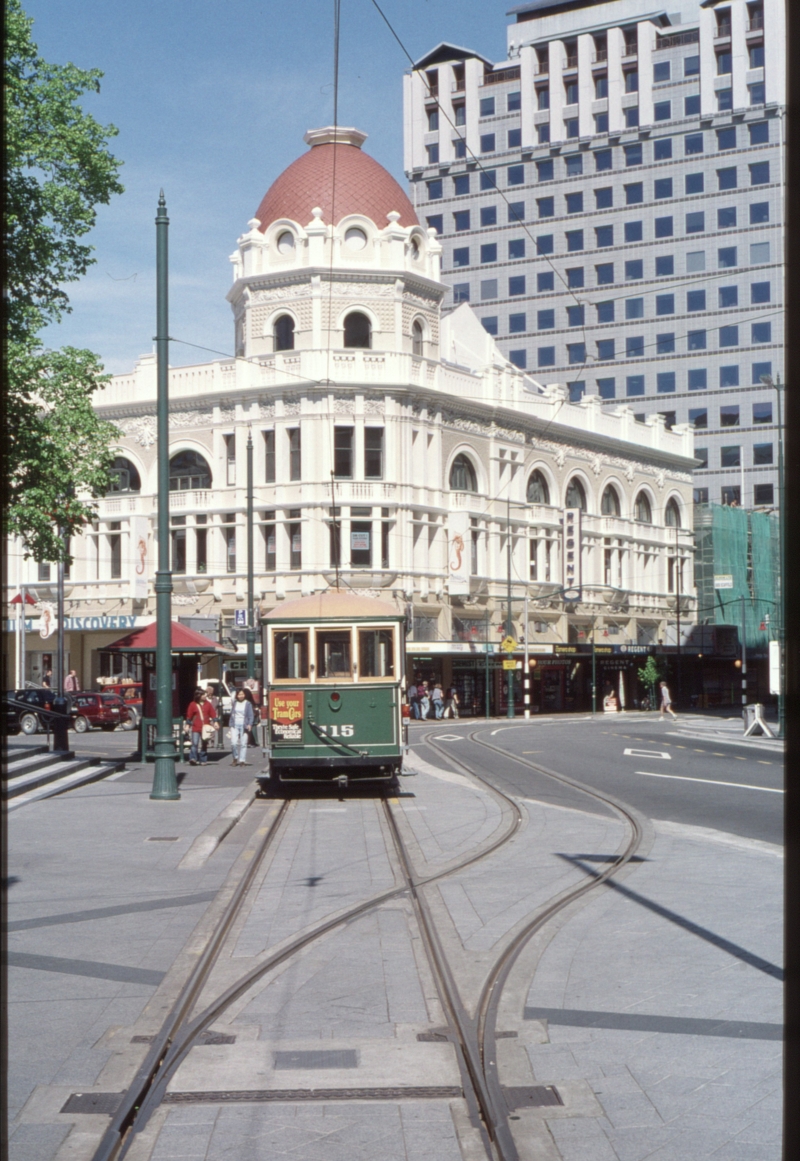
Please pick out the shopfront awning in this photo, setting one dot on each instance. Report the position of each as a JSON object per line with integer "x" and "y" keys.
{"x": 184, "y": 640}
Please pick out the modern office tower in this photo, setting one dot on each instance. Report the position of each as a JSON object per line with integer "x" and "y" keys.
{"x": 610, "y": 201}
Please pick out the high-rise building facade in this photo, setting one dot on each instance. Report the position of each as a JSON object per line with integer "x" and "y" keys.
{"x": 609, "y": 199}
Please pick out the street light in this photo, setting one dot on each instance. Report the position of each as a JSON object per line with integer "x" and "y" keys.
{"x": 165, "y": 783}
{"x": 767, "y": 380}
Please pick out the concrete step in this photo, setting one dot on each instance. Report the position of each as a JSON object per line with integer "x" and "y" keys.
{"x": 89, "y": 771}
{"x": 59, "y": 765}
{"x": 25, "y": 762}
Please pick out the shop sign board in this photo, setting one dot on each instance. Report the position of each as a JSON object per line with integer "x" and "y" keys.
{"x": 723, "y": 581}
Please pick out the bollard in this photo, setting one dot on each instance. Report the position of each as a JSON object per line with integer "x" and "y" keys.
{"x": 61, "y": 724}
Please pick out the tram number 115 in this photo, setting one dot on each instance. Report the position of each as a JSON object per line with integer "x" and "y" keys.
{"x": 337, "y": 731}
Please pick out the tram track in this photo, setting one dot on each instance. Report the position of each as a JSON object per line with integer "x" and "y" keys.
{"x": 480, "y": 1031}
{"x": 473, "y": 1036}
{"x": 179, "y": 1033}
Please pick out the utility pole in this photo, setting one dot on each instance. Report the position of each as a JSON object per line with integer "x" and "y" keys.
{"x": 510, "y": 673}
{"x": 486, "y": 651}
{"x": 251, "y": 627}
{"x": 526, "y": 685}
{"x": 744, "y": 658}
{"x": 165, "y": 783}
{"x": 678, "y": 611}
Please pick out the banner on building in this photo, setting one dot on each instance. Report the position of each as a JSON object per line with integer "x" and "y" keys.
{"x": 48, "y": 622}
{"x": 458, "y": 554}
{"x": 140, "y": 556}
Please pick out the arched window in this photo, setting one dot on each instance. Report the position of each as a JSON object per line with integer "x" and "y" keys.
{"x": 462, "y": 475}
{"x": 576, "y": 497}
{"x": 124, "y": 476}
{"x": 672, "y": 514}
{"x": 609, "y": 504}
{"x": 357, "y": 331}
{"x": 537, "y": 491}
{"x": 187, "y": 470}
{"x": 283, "y": 333}
{"x": 642, "y": 510}
{"x": 416, "y": 337}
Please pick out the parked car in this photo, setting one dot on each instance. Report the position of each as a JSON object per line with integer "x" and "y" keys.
{"x": 105, "y": 711}
{"x": 28, "y": 720}
{"x": 131, "y": 694}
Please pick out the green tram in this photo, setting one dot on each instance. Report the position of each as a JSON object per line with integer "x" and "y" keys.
{"x": 334, "y": 674}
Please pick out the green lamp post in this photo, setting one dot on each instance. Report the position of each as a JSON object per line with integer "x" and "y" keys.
{"x": 165, "y": 783}
{"x": 251, "y": 612}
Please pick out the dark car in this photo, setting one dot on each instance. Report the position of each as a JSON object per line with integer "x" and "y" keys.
{"x": 105, "y": 711}
{"x": 22, "y": 706}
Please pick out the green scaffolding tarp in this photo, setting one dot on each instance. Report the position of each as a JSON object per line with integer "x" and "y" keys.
{"x": 743, "y": 545}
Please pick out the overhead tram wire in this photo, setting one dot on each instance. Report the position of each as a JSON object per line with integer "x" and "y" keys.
{"x": 336, "y": 527}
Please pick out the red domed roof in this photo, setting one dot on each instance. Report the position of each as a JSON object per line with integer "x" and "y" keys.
{"x": 363, "y": 186}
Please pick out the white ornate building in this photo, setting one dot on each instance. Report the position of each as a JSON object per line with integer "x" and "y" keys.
{"x": 396, "y": 444}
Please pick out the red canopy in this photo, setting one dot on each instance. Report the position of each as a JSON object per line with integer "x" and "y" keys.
{"x": 184, "y": 640}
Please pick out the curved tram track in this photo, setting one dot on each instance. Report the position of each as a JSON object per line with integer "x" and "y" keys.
{"x": 473, "y": 1035}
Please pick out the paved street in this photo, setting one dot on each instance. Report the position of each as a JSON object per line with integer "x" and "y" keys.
{"x": 652, "y": 1004}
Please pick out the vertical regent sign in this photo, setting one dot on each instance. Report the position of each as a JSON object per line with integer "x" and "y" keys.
{"x": 572, "y": 577}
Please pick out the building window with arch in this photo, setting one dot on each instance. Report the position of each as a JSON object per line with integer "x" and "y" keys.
{"x": 609, "y": 504}
{"x": 462, "y": 475}
{"x": 642, "y": 510}
{"x": 357, "y": 330}
{"x": 576, "y": 496}
{"x": 417, "y": 337}
{"x": 188, "y": 469}
{"x": 672, "y": 514}
{"x": 537, "y": 491}
{"x": 283, "y": 333}
{"x": 123, "y": 477}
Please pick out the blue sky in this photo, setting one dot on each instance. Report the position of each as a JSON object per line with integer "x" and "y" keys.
{"x": 211, "y": 100}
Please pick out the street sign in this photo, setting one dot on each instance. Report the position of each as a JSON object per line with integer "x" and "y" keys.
{"x": 723, "y": 581}
{"x": 509, "y": 663}
{"x": 508, "y": 645}
{"x": 240, "y": 616}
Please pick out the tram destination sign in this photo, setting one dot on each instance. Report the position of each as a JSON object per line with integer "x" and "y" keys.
{"x": 286, "y": 716}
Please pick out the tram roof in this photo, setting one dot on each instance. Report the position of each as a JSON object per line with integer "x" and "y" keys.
{"x": 334, "y": 606}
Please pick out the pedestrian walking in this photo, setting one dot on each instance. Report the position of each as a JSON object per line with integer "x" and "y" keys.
{"x": 437, "y": 697}
{"x": 242, "y": 718}
{"x": 666, "y": 703}
{"x": 201, "y": 720}
{"x": 47, "y": 680}
{"x": 71, "y": 682}
{"x": 451, "y": 703}
{"x": 424, "y": 700}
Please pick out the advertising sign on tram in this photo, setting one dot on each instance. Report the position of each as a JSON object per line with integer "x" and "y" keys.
{"x": 286, "y": 716}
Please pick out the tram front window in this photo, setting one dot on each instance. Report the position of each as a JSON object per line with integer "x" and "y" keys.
{"x": 333, "y": 654}
{"x": 291, "y": 655}
{"x": 376, "y": 652}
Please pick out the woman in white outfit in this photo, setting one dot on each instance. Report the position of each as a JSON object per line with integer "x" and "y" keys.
{"x": 241, "y": 722}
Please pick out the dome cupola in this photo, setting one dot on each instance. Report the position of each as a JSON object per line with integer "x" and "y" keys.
{"x": 335, "y": 251}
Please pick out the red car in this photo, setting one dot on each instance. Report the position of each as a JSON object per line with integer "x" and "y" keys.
{"x": 131, "y": 694}
{"x": 103, "y": 710}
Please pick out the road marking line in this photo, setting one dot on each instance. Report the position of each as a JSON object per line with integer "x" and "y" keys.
{"x": 761, "y": 762}
{"x": 710, "y": 781}
{"x": 448, "y": 737}
{"x": 630, "y": 753}
{"x": 533, "y": 751}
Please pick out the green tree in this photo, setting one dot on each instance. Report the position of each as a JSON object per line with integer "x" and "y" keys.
{"x": 650, "y": 674}
{"x": 58, "y": 170}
